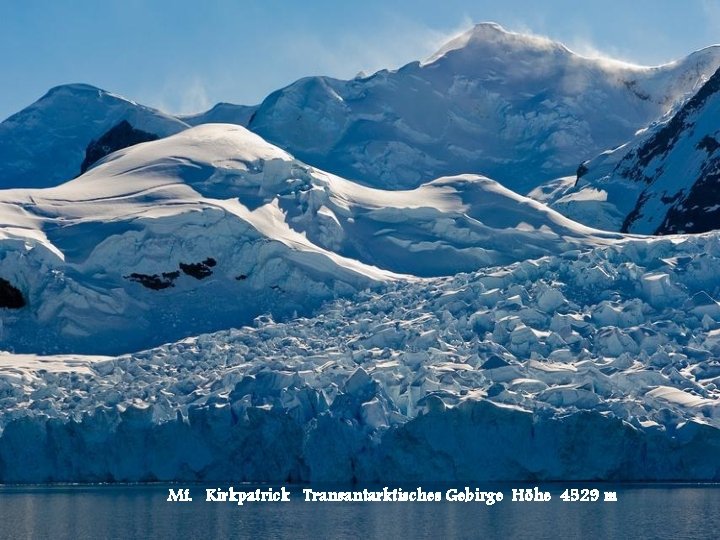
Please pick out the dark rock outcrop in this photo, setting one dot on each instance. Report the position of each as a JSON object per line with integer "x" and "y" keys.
{"x": 10, "y": 296}
{"x": 634, "y": 165}
{"x": 199, "y": 270}
{"x": 155, "y": 281}
{"x": 664, "y": 181}
{"x": 700, "y": 209}
{"x": 120, "y": 136}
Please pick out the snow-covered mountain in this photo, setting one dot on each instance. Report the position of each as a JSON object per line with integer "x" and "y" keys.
{"x": 425, "y": 324}
{"x": 46, "y": 143}
{"x": 663, "y": 181}
{"x": 518, "y": 108}
{"x": 148, "y": 244}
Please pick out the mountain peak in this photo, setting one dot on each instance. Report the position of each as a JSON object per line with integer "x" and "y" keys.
{"x": 45, "y": 143}
{"x": 74, "y": 89}
{"x": 491, "y": 34}
{"x": 76, "y": 93}
{"x": 487, "y": 27}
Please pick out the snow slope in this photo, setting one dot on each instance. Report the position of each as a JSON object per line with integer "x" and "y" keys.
{"x": 213, "y": 226}
{"x": 596, "y": 365}
{"x": 662, "y": 181}
{"x": 518, "y": 108}
{"x": 44, "y": 144}
{"x": 222, "y": 113}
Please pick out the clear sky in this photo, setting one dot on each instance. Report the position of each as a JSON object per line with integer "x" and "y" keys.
{"x": 185, "y": 55}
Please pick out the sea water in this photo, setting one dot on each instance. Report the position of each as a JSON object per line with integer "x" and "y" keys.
{"x": 143, "y": 511}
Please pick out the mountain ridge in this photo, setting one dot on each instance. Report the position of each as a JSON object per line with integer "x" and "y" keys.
{"x": 522, "y": 113}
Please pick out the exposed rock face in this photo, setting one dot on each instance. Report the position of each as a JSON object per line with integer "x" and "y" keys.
{"x": 155, "y": 281}
{"x": 691, "y": 196}
{"x": 199, "y": 270}
{"x": 665, "y": 181}
{"x": 120, "y": 136}
{"x": 699, "y": 210}
{"x": 10, "y": 296}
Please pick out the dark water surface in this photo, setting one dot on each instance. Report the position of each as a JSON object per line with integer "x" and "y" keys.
{"x": 77, "y": 512}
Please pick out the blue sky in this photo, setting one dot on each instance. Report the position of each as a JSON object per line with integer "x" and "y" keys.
{"x": 185, "y": 55}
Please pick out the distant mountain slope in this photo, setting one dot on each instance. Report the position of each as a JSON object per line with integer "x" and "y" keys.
{"x": 663, "y": 181}
{"x": 212, "y": 227}
{"x": 222, "y": 113}
{"x": 520, "y": 109}
{"x": 46, "y": 143}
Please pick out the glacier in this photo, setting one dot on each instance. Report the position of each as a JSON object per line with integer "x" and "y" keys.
{"x": 594, "y": 365}
{"x": 357, "y": 334}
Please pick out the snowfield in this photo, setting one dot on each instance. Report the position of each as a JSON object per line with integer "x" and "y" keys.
{"x": 591, "y": 365}
{"x": 137, "y": 251}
